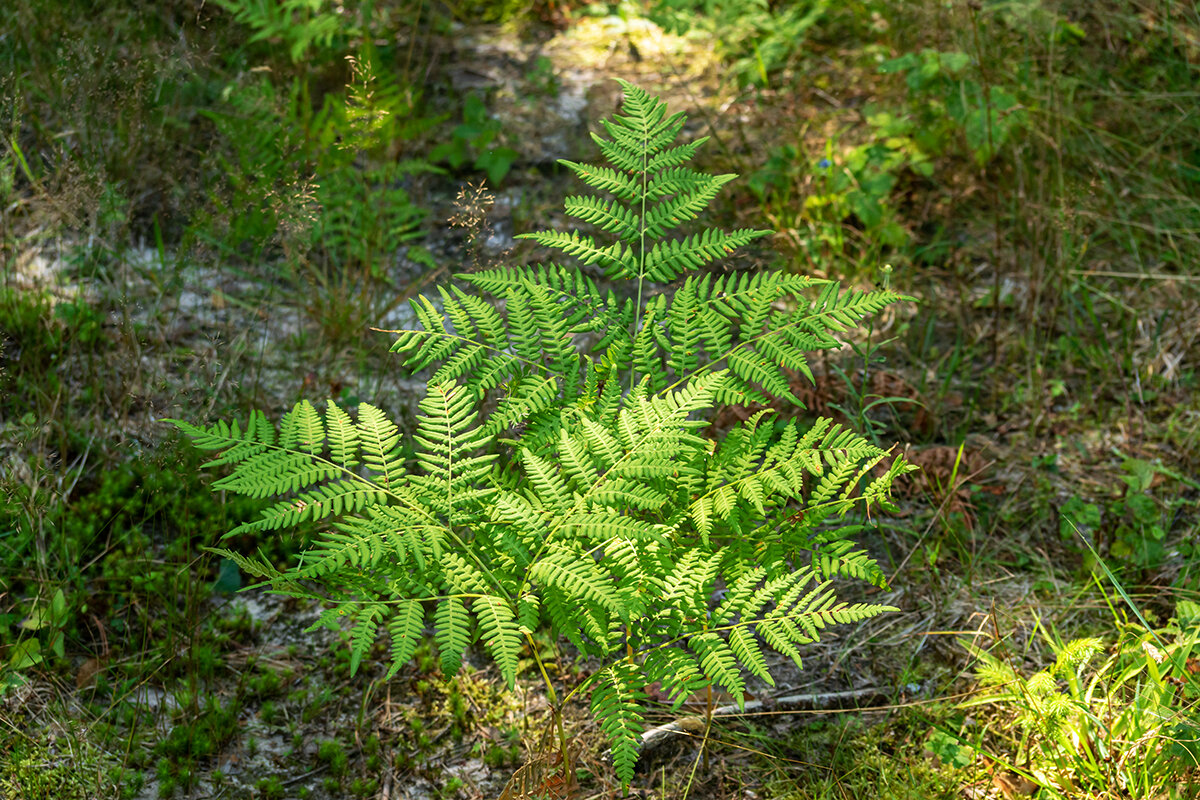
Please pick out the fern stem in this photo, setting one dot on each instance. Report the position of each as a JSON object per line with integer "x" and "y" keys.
{"x": 555, "y": 709}
{"x": 637, "y": 312}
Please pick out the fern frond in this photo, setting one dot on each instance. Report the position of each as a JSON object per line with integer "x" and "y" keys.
{"x": 843, "y": 613}
{"x": 749, "y": 655}
{"x": 277, "y": 471}
{"x": 461, "y": 576}
{"x": 500, "y": 634}
{"x": 569, "y": 284}
{"x": 397, "y": 534}
{"x": 551, "y": 490}
{"x": 579, "y": 467}
{"x": 578, "y": 577}
{"x": 701, "y": 513}
{"x": 452, "y": 633}
{"x": 694, "y": 192}
{"x": 666, "y": 260}
{"x": 837, "y": 559}
{"x": 405, "y": 628}
{"x": 615, "y": 259}
{"x": 343, "y": 437}
{"x": 362, "y": 636}
{"x": 687, "y": 585}
{"x": 315, "y": 487}
{"x": 782, "y": 637}
{"x": 259, "y": 435}
{"x": 610, "y": 215}
{"x": 532, "y": 399}
{"x": 605, "y": 179}
{"x": 677, "y": 671}
{"x": 420, "y": 348}
{"x": 603, "y": 525}
{"x": 719, "y": 663}
{"x": 1041, "y": 685}
{"x": 738, "y": 596}
{"x": 529, "y": 608}
{"x": 259, "y": 567}
{"x": 615, "y": 707}
{"x": 380, "y": 441}
{"x": 302, "y": 429}
{"x": 447, "y": 436}
{"x": 574, "y": 620}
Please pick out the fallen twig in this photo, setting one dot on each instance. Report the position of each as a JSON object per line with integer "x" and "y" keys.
{"x": 654, "y": 737}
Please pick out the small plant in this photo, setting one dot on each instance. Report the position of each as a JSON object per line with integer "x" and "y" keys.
{"x": 1132, "y": 528}
{"x": 861, "y": 400}
{"x": 199, "y": 735}
{"x": 757, "y": 38}
{"x": 948, "y": 100}
{"x": 332, "y": 752}
{"x": 841, "y": 207}
{"x": 270, "y": 788}
{"x": 566, "y": 477}
{"x": 1128, "y": 725}
{"x": 476, "y": 136}
{"x": 42, "y": 630}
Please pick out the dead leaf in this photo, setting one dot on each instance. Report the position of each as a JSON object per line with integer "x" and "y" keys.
{"x": 1013, "y": 786}
{"x": 87, "y": 672}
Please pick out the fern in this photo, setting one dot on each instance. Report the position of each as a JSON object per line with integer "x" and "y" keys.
{"x": 562, "y": 472}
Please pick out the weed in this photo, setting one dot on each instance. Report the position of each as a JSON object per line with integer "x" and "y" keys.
{"x": 837, "y": 212}
{"x": 1129, "y": 723}
{"x": 29, "y": 770}
{"x": 364, "y": 787}
{"x": 1132, "y": 528}
{"x": 950, "y": 102}
{"x": 48, "y": 620}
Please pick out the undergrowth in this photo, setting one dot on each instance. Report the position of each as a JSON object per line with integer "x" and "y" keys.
{"x": 1027, "y": 167}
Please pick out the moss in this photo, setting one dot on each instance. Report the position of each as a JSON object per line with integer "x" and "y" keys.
{"x": 197, "y": 736}
{"x": 66, "y": 769}
{"x": 270, "y": 788}
{"x": 33, "y": 775}
{"x": 364, "y": 787}
{"x": 332, "y": 752}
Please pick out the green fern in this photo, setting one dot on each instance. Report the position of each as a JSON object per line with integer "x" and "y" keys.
{"x": 563, "y": 473}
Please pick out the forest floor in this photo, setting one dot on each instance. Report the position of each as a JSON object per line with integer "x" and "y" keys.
{"x": 1043, "y": 378}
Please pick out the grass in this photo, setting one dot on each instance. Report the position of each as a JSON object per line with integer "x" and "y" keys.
{"x": 1046, "y": 383}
